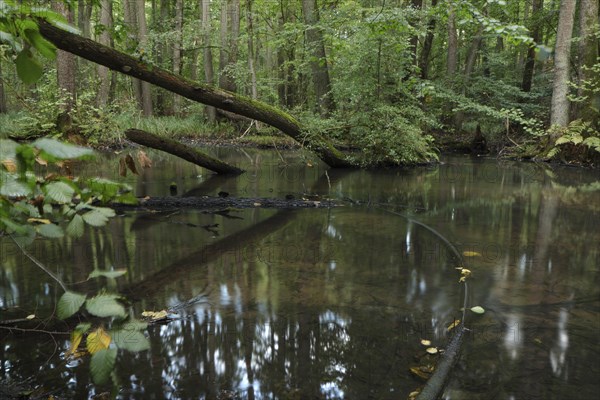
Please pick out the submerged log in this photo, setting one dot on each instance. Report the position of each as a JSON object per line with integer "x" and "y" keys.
{"x": 435, "y": 385}
{"x": 181, "y": 150}
{"x": 202, "y": 93}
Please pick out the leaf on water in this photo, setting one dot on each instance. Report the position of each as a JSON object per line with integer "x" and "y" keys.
{"x": 122, "y": 167}
{"x": 144, "y": 160}
{"x": 69, "y": 303}
{"x": 471, "y": 254}
{"x": 130, "y": 339}
{"x": 31, "y": 316}
{"x": 50, "y": 231}
{"x": 453, "y": 324}
{"x": 478, "y": 310}
{"x": 131, "y": 164}
{"x": 426, "y": 342}
{"x": 102, "y": 364}
{"x": 97, "y": 340}
{"x": 105, "y": 305}
{"x": 60, "y": 192}
{"x": 432, "y": 350}
{"x": 257, "y": 204}
{"x": 155, "y": 315}
{"x": 418, "y": 371}
{"x": 107, "y": 274}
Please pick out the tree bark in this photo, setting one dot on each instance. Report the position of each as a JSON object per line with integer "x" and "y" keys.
{"x": 559, "y": 110}
{"x": 3, "y": 105}
{"x": 66, "y": 65}
{"x": 143, "y": 40}
{"x": 104, "y": 78}
{"x": 318, "y": 63}
{"x": 535, "y": 27}
{"x": 181, "y": 150}
{"x": 427, "y": 45}
{"x": 588, "y": 56}
{"x": 199, "y": 92}
{"x": 177, "y": 50}
{"x": 414, "y": 39}
{"x": 230, "y": 32}
{"x": 211, "y": 112}
{"x": 452, "y": 55}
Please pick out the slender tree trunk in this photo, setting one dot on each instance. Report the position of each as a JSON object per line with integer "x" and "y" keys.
{"x": 146, "y": 90}
{"x": 319, "y": 68}
{"x": 66, "y": 65}
{"x": 250, "y": 29}
{"x": 130, "y": 20}
{"x": 229, "y": 35}
{"x": 177, "y": 50}
{"x": 414, "y": 39}
{"x": 196, "y": 46}
{"x": 3, "y": 105}
{"x": 535, "y": 28}
{"x": 559, "y": 111}
{"x": 427, "y": 45}
{"x": 468, "y": 71}
{"x": 211, "y": 112}
{"x": 588, "y": 56}
{"x": 287, "y": 89}
{"x": 162, "y": 52}
{"x": 452, "y": 56}
{"x": 104, "y": 78}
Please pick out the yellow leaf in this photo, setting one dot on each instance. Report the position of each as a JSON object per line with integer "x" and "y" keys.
{"x": 31, "y": 316}
{"x": 418, "y": 371}
{"x": 98, "y": 340}
{"x": 465, "y": 273}
{"x": 10, "y": 165}
{"x": 471, "y": 254}
{"x": 155, "y": 315}
{"x": 432, "y": 350}
{"x": 453, "y": 324}
{"x": 413, "y": 395}
{"x": 76, "y": 337}
{"x": 426, "y": 342}
{"x": 257, "y": 204}
{"x": 40, "y": 220}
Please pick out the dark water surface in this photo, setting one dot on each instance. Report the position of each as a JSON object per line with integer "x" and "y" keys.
{"x": 333, "y": 303}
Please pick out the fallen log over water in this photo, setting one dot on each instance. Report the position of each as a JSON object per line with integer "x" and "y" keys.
{"x": 208, "y": 202}
{"x": 181, "y": 150}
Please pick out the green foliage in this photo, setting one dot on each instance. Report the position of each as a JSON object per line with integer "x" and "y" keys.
{"x": 577, "y": 138}
{"x": 34, "y": 204}
{"x": 69, "y": 303}
{"x": 102, "y": 365}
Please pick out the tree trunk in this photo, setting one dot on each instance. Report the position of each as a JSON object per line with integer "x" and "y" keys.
{"x": 559, "y": 110}
{"x": 211, "y": 112}
{"x": 66, "y": 65}
{"x": 535, "y": 27}
{"x": 230, "y": 32}
{"x": 202, "y": 93}
{"x": 588, "y": 56}
{"x": 427, "y": 45}
{"x": 452, "y": 56}
{"x": 414, "y": 39}
{"x": 318, "y": 63}
{"x": 249, "y": 20}
{"x": 104, "y": 78}
{"x": 3, "y": 105}
{"x": 181, "y": 150}
{"x": 177, "y": 50}
{"x": 146, "y": 90}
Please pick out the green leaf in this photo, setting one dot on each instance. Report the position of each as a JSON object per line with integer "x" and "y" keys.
{"x": 50, "y": 231}
{"x": 62, "y": 150}
{"x": 11, "y": 187}
{"x": 130, "y": 339}
{"x": 29, "y": 69}
{"x": 14, "y": 227}
{"x": 107, "y": 274}
{"x": 98, "y": 216}
{"x": 102, "y": 364}
{"x": 105, "y": 305}
{"x": 69, "y": 303}
{"x": 478, "y": 310}
{"x": 44, "y": 47}
{"x": 76, "y": 226}
{"x": 83, "y": 327}
{"x": 59, "y": 191}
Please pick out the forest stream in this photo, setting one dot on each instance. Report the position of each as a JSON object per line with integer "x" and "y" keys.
{"x": 330, "y": 303}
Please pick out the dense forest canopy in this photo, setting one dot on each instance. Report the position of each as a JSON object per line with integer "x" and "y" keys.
{"x": 385, "y": 77}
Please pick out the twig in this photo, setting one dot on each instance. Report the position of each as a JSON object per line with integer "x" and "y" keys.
{"x": 12, "y": 328}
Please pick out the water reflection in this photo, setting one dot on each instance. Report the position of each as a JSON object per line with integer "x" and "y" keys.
{"x": 333, "y": 303}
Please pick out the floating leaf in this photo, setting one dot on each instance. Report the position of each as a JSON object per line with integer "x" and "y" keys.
{"x": 453, "y": 324}
{"x": 155, "y": 315}
{"x": 471, "y": 254}
{"x": 105, "y": 305}
{"x": 130, "y": 164}
{"x": 432, "y": 350}
{"x": 107, "y": 274}
{"x": 130, "y": 340}
{"x": 426, "y": 342}
{"x": 421, "y": 372}
{"x": 478, "y": 310}
{"x": 69, "y": 303}
{"x": 97, "y": 340}
{"x": 102, "y": 364}
{"x": 257, "y": 204}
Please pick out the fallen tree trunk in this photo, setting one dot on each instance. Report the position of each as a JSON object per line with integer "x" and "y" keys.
{"x": 121, "y": 62}
{"x": 182, "y": 151}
